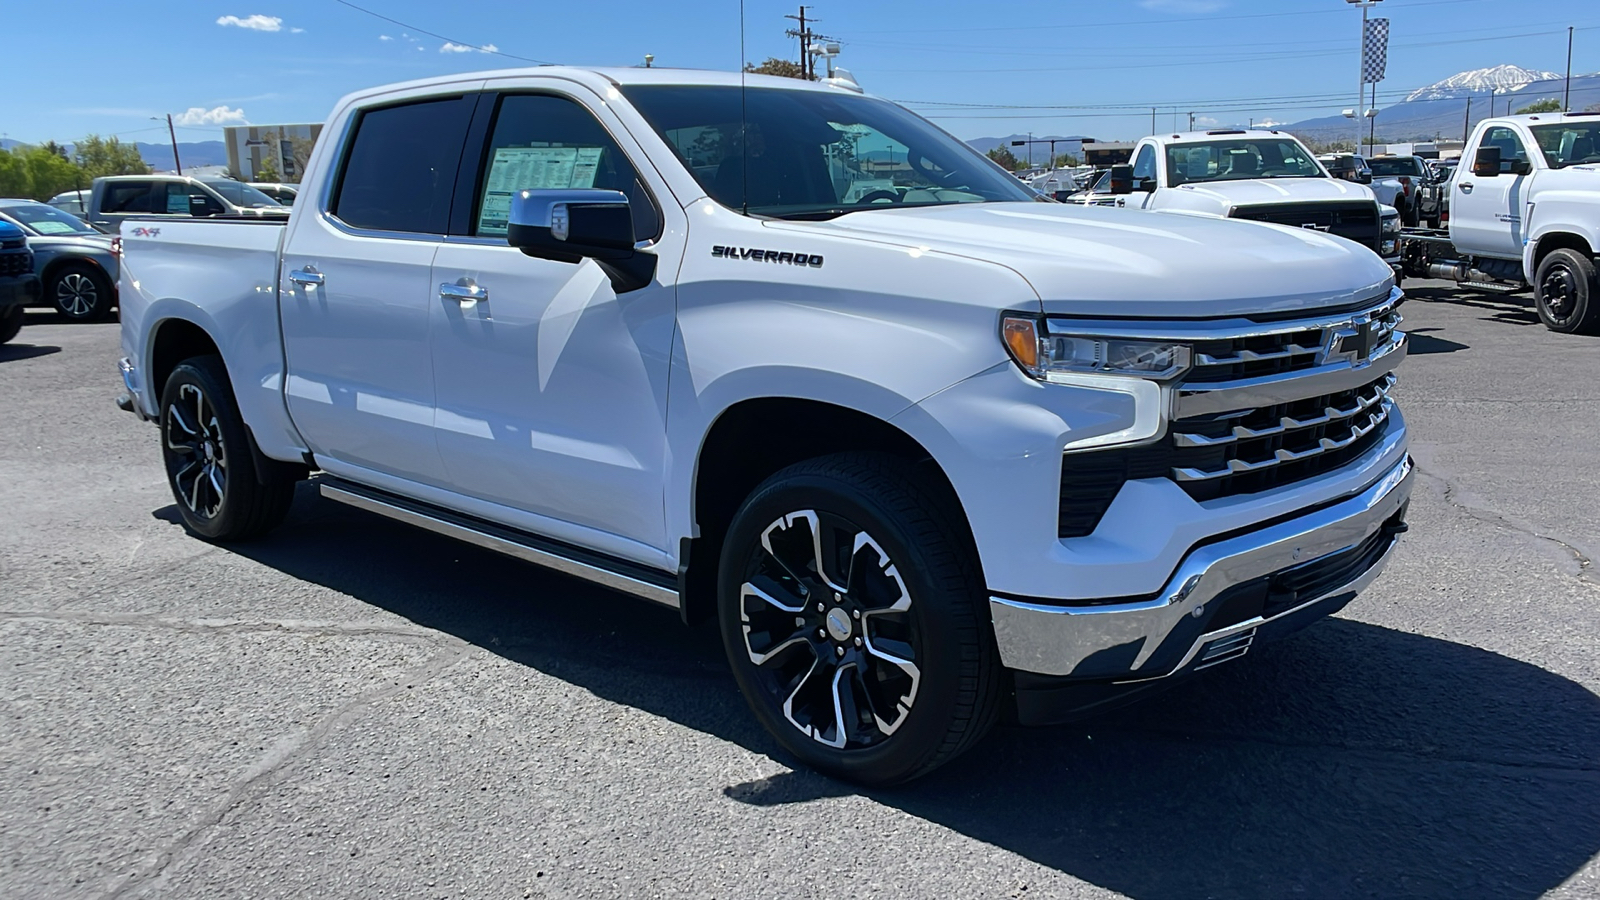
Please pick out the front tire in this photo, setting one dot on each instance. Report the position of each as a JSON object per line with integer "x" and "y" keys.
{"x": 11, "y": 319}
{"x": 81, "y": 293}
{"x": 1566, "y": 291}
{"x": 208, "y": 458}
{"x": 856, "y": 621}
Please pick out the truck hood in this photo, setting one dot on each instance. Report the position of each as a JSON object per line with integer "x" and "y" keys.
{"x": 1119, "y": 262}
{"x": 1228, "y": 194}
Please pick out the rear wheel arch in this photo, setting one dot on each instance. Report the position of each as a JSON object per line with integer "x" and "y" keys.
{"x": 753, "y": 439}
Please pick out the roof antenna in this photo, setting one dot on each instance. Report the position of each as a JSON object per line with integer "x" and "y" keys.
{"x": 744, "y": 125}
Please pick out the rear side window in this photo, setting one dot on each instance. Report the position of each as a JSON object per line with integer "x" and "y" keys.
{"x": 177, "y": 199}
{"x": 542, "y": 141}
{"x": 401, "y": 169}
{"x": 127, "y": 197}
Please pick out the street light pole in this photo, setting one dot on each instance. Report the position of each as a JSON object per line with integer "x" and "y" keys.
{"x": 1361, "y": 65}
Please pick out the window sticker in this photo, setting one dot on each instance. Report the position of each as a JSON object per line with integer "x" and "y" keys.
{"x": 516, "y": 169}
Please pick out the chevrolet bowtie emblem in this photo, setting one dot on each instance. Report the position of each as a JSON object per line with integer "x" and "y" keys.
{"x": 1315, "y": 227}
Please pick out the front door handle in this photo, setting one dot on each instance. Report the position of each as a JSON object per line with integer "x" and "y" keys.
{"x": 306, "y": 277}
{"x": 465, "y": 294}
{"x": 1465, "y": 187}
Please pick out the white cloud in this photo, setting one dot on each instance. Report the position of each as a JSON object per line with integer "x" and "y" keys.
{"x": 1205, "y": 122}
{"x": 452, "y": 47}
{"x": 1267, "y": 123}
{"x": 1183, "y": 6}
{"x": 254, "y": 23}
{"x": 384, "y": 37}
{"x": 221, "y": 115}
{"x": 488, "y": 48}
{"x": 297, "y": 31}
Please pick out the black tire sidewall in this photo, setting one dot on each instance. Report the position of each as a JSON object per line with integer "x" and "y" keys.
{"x": 1583, "y": 317}
{"x": 102, "y": 289}
{"x": 937, "y": 642}
{"x": 208, "y": 374}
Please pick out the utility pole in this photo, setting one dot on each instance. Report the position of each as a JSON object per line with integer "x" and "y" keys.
{"x": 1566, "y": 92}
{"x": 1466, "y": 126}
{"x": 1152, "y": 120}
{"x": 174, "y": 135}
{"x": 1191, "y": 121}
{"x": 808, "y": 67}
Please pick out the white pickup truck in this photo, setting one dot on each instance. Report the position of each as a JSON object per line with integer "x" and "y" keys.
{"x": 1265, "y": 176}
{"x": 1525, "y": 214}
{"x": 924, "y": 454}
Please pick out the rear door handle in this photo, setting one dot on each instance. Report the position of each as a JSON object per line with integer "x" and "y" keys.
{"x": 307, "y": 277}
{"x": 464, "y": 294}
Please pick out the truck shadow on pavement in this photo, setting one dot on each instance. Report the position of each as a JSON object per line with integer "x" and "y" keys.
{"x": 1510, "y": 309}
{"x": 1352, "y": 760}
{"x": 14, "y": 352}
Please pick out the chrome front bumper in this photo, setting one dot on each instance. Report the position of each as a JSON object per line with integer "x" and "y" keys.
{"x": 1158, "y": 636}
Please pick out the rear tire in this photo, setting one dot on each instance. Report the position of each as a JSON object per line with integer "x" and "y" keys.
{"x": 856, "y": 621}
{"x": 209, "y": 457}
{"x": 11, "y": 319}
{"x": 1566, "y": 293}
{"x": 80, "y": 293}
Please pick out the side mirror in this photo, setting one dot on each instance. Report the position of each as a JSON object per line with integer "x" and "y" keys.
{"x": 1486, "y": 164}
{"x": 1519, "y": 167}
{"x": 1121, "y": 181}
{"x": 1145, "y": 185}
{"x": 201, "y": 205}
{"x": 1363, "y": 177}
{"x": 577, "y": 224}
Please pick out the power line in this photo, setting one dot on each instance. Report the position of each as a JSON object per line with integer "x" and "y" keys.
{"x": 449, "y": 40}
{"x": 1147, "y": 22}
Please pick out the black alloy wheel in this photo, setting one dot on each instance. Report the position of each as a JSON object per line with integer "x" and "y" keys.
{"x": 208, "y": 457}
{"x": 855, "y": 622}
{"x": 1564, "y": 291}
{"x": 81, "y": 293}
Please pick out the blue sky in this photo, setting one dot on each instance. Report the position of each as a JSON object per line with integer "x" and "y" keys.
{"x": 107, "y": 66}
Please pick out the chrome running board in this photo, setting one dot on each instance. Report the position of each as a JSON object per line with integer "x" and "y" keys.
{"x": 620, "y": 575}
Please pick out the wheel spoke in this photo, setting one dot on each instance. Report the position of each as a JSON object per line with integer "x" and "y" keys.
{"x": 816, "y": 692}
{"x": 770, "y": 625}
{"x": 216, "y": 481}
{"x": 795, "y": 542}
{"x": 190, "y": 473}
{"x": 175, "y": 417}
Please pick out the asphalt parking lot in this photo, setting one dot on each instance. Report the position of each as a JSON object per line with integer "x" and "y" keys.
{"x": 354, "y": 708}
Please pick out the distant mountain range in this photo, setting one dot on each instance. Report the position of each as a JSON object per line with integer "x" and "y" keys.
{"x": 1440, "y": 109}
{"x": 193, "y": 153}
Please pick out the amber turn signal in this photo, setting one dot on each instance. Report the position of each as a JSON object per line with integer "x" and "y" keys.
{"x": 1022, "y": 339}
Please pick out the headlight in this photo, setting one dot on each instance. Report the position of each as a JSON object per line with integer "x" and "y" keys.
{"x": 1049, "y": 357}
{"x": 1391, "y": 224}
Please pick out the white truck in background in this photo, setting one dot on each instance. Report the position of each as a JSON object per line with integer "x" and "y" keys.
{"x": 1524, "y": 212}
{"x": 1264, "y": 176}
{"x": 923, "y": 447}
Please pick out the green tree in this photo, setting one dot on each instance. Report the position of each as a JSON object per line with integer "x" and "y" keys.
{"x": 108, "y": 156}
{"x": 1549, "y": 104}
{"x": 267, "y": 169}
{"x": 1064, "y": 161}
{"x": 775, "y": 66}
{"x": 14, "y": 178}
{"x": 1006, "y": 159}
{"x": 50, "y": 172}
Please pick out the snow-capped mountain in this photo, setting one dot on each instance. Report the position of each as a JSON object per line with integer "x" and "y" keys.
{"x": 1500, "y": 79}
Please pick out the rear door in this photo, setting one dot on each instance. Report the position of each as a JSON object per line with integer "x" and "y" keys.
{"x": 551, "y": 387}
{"x": 1486, "y": 213}
{"x": 356, "y": 296}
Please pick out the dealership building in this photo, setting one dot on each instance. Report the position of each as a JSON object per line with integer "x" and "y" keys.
{"x": 288, "y": 147}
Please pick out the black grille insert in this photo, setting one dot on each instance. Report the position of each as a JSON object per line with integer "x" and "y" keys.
{"x": 1356, "y": 220}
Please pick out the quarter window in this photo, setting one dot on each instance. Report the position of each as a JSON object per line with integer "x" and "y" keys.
{"x": 401, "y": 169}
{"x": 544, "y": 142}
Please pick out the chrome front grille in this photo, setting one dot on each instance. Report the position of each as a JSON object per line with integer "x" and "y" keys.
{"x": 1265, "y": 405}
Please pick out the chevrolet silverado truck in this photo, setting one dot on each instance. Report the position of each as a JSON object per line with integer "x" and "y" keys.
{"x": 924, "y": 454}
{"x": 19, "y": 286}
{"x": 1265, "y": 176}
{"x": 1526, "y": 214}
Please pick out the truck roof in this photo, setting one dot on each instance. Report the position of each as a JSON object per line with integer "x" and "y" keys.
{"x": 1187, "y": 137}
{"x": 1547, "y": 118}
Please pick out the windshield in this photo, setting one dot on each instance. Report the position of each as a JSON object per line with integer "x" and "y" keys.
{"x": 816, "y": 154}
{"x": 1569, "y": 144}
{"x": 1239, "y": 159}
{"x": 242, "y": 195}
{"x": 42, "y": 219}
{"x": 1392, "y": 166}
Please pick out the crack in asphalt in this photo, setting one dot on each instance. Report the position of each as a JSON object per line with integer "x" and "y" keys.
{"x": 1474, "y": 506}
{"x": 287, "y": 750}
{"x": 225, "y": 626}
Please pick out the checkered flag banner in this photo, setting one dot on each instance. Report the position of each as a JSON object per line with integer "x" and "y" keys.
{"x": 1374, "y": 51}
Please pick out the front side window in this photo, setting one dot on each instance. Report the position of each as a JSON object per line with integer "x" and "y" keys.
{"x": 177, "y": 199}
{"x": 1569, "y": 144}
{"x": 1511, "y": 149}
{"x": 816, "y": 154}
{"x": 1144, "y": 165}
{"x": 545, "y": 142}
{"x": 1235, "y": 160}
{"x": 400, "y": 171}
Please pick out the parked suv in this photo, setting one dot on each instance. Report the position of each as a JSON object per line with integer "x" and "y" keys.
{"x": 119, "y": 197}
{"x": 18, "y": 285}
{"x": 76, "y": 265}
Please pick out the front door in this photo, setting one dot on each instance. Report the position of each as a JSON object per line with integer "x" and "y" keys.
{"x": 356, "y": 294}
{"x": 1486, "y": 213}
{"x": 551, "y": 389}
